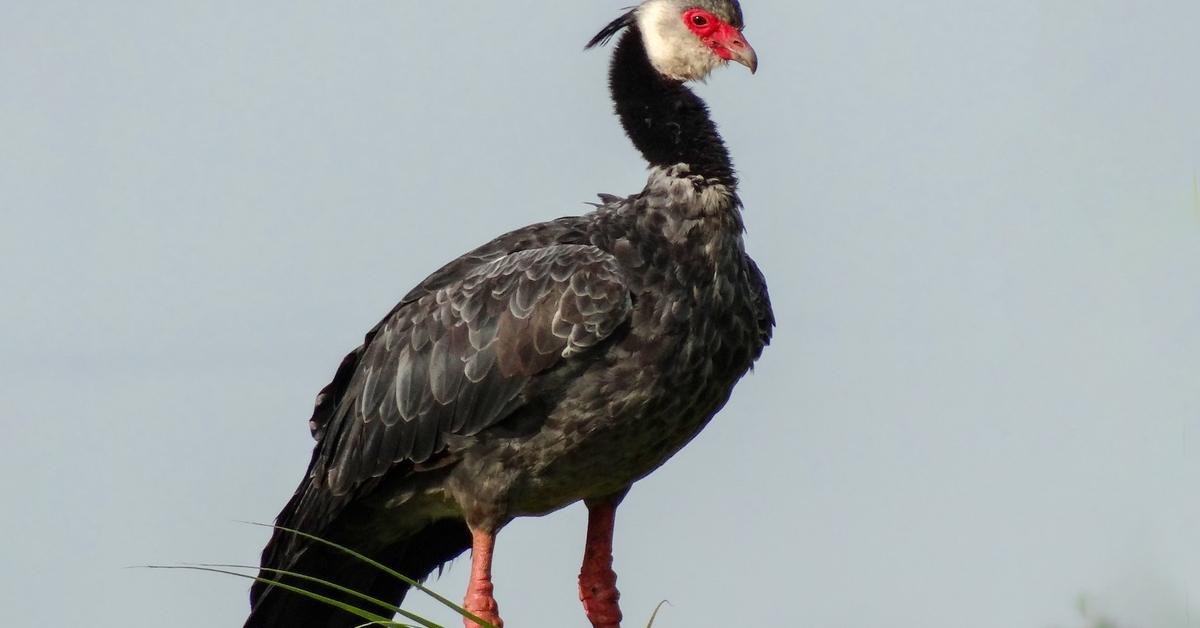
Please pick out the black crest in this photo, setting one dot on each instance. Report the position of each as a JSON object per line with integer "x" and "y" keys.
{"x": 613, "y": 28}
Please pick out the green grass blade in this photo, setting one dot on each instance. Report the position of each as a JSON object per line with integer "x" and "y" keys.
{"x": 655, "y": 613}
{"x": 384, "y": 568}
{"x": 372, "y": 618}
{"x": 362, "y": 596}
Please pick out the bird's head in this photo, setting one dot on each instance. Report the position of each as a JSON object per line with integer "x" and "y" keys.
{"x": 685, "y": 40}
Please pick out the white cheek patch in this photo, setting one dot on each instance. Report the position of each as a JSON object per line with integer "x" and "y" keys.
{"x": 651, "y": 17}
{"x": 672, "y": 48}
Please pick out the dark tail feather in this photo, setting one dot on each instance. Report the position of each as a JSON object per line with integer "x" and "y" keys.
{"x": 416, "y": 557}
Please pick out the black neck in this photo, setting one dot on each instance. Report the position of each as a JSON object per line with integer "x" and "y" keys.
{"x": 667, "y": 122}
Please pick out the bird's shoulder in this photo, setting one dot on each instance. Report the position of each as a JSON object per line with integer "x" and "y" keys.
{"x": 567, "y": 230}
{"x": 453, "y": 357}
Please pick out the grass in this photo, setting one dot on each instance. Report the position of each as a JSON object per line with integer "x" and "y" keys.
{"x": 376, "y": 613}
{"x": 382, "y": 612}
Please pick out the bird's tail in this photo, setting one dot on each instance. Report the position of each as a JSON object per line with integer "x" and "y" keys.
{"x": 415, "y": 556}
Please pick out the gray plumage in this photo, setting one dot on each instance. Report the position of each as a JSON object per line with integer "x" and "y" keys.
{"x": 559, "y": 362}
{"x": 627, "y": 326}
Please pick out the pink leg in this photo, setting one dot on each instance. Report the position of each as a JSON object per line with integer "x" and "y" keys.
{"x": 479, "y": 598}
{"x": 597, "y": 580}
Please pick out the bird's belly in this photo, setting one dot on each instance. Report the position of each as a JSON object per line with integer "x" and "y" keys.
{"x": 612, "y": 425}
{"x": 604, "y": 455}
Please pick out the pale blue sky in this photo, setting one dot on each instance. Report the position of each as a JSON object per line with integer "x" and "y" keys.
{"x": 978, "y": 220}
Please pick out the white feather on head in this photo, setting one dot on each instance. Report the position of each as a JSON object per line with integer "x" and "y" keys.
{"x": 672, "y": 48}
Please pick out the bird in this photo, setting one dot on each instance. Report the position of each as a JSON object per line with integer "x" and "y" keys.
{"x": 557, "y": 363}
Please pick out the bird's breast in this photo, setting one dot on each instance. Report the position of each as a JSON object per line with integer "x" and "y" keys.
{"x": 653, "y": 390}
{"x": 692, "y": 332}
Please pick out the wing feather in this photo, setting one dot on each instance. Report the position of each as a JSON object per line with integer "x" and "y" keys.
{"x": 456, "y": 359}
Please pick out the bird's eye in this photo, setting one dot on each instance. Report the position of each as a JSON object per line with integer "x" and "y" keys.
{"x": 699, "y": 20}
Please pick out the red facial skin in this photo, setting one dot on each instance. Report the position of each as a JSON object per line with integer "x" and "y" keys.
{"x": 720, "y": 37}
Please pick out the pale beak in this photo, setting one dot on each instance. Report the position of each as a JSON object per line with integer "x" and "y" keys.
{"x": 747, "y": 58}
{"x": 738, "y": 48}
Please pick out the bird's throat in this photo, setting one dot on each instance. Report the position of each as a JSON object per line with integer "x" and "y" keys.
{"x": 666, "y": 121}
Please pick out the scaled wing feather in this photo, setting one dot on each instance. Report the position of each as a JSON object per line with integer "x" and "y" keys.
{"x": 456, "y": 359}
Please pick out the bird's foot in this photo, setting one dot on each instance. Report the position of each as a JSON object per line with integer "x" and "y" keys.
{"x": 598, "y": 592}
{"x": 481, "y": 603}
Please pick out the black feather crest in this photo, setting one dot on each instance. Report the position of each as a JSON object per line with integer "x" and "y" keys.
{"x": 613, "y": 28}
